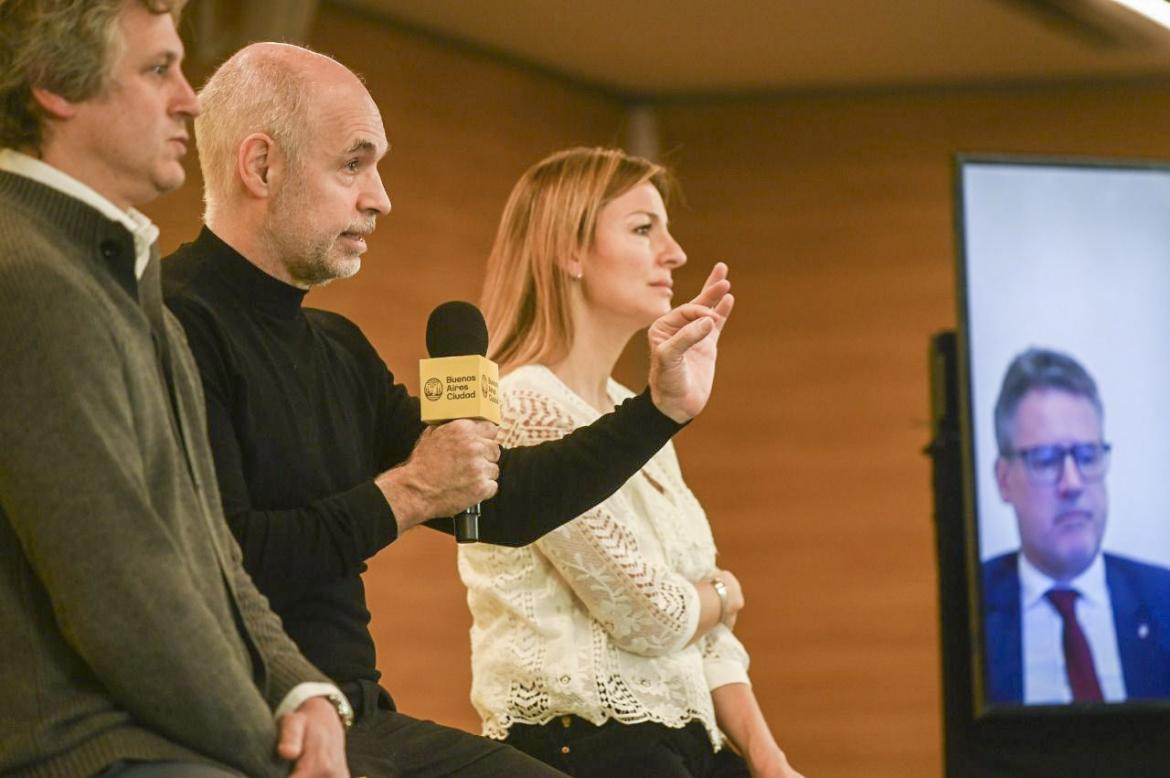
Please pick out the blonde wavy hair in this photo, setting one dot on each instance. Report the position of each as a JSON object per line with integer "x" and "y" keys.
{"x": 550, "y": 218}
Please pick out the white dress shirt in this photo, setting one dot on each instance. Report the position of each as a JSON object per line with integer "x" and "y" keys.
{"x": 1045, "y": 677}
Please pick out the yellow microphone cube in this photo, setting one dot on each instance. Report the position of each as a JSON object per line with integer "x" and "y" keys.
{"x": 459, "y": 388}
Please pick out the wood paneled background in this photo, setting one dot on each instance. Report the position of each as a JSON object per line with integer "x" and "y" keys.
{"x": 834, "y": 212}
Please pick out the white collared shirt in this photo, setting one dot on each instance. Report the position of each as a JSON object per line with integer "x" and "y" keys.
{"x": 145, "y": 234}
{"x": 143, "y": 229}
{"x": 1045, "y": 677}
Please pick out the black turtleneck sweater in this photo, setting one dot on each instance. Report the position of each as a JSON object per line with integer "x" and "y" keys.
{"x": 303, "y": 415}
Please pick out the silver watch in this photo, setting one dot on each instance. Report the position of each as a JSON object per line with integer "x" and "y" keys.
{"x": 341, "y": 704}
{"x": 721, "y": 590}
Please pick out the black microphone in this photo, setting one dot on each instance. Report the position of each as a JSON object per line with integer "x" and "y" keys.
{"x": 457, "y": 329}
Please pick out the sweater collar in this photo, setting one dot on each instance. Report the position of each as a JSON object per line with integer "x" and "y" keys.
{"x": 251, "y": 285}
{"x": 144, "y": 232}
{"x": 104, "y": 242}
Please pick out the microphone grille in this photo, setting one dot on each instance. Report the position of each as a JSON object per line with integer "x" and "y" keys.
{"x": 456, "y": 329}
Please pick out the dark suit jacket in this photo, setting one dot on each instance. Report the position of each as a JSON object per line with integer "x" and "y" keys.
{"x": 1140, "y": 594}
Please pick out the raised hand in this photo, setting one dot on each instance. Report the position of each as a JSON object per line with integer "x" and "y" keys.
{"x": 683, "y": 346}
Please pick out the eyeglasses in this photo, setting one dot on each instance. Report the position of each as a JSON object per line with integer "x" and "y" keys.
{"x": 1045, "y": 464}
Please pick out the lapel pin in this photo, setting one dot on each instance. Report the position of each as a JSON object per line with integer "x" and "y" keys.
{"x": 1143, "y": 630}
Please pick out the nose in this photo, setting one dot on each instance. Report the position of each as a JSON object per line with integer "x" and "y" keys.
{"x": 374, "y": 197}
{"x": 186, "y": 101}
{"x": 672, "y": 254}
{"x": 1071, "y": 482}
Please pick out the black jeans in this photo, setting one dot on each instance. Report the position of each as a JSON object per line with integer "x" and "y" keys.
{"x": 384, "y": 743}
{"x": 616, "y": 750}
{"x": 137, "y": 769}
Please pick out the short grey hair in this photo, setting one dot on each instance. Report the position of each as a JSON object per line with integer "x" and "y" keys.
{"x": 255, "y": 90}
{"x": 1039, "y": 368}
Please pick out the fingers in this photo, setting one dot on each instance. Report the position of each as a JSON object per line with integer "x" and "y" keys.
{"x": 717, "y": 274}
{"x": 291, "y": 740}
{"x": 716, "y": 294}
{"x": 711, "y": 295}
{"x": 672, "y": 349}
{"x": 715, "y": 287}
{"x": 474, "y": 435}
{"x": 692, "y": 311}
{"x": 477, "y": 441}
{"x": 491, "y": 487}
{"x": 486, "y": 430}
{"x": 322, "y": 752}
{"x": 717, "y": 314}
{"x": 715, "y": 301}
{"x": 454, "y": 465}
{"x": 688, "y": 312}
{"x": 723, "y": 310}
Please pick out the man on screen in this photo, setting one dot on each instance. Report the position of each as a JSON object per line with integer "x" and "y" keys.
{"x": 1065, "y": 622}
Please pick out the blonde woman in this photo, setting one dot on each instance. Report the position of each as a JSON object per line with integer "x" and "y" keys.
{"x": 605, "y": 648}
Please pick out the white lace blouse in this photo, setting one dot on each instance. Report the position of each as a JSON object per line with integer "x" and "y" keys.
{"x": 593, "y": 619}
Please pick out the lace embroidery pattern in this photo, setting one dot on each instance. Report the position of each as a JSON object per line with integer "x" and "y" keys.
{"x": 593, "y": 619}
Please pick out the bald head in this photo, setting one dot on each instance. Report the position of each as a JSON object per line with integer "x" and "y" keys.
{"x": 275, "y": 89}
{"x": 289, "y": 142}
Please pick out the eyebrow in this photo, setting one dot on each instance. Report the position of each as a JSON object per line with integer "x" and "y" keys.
{"x": 649, "y": 214}
{"x": 361, "y": 145}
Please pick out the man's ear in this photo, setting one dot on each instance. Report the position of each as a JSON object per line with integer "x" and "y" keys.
{"x": 54, "y": 104}
{"x": 258, "y": 160}
{"x": 1001, "y": 468}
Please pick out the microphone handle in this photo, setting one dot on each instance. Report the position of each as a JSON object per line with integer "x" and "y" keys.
{"x": 467, "y": 525}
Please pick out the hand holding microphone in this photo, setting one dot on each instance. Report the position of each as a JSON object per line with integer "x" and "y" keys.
{"x": 459, "y": 382}
{"x": 454, "y": 463}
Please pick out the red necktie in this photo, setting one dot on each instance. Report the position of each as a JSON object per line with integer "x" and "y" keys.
{"x": 1078, "y": 658}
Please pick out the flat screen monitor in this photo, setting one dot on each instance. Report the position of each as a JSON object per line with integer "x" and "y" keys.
{"x": 1064, "y": 389}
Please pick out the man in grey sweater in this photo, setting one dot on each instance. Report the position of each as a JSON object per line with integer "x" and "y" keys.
{"x": 132, "y": 643}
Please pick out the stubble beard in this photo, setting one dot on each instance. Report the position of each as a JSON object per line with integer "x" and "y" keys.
{"x": 309, "y": 259}
{"x": 320, "y": 263}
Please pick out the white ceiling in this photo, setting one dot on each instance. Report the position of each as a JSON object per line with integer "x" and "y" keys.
{"x": 689, "y": 47}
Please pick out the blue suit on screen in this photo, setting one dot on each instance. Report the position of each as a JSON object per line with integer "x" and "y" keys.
{"x": 1140, "y": 594}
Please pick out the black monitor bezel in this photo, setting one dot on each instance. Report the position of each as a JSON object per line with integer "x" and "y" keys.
{"x": 965, "y": 413}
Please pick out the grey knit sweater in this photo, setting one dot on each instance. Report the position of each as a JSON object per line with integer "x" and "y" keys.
{"x": 128, "y": 629}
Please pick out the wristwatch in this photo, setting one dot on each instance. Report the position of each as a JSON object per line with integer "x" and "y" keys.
{"x": 721, "y": 590}
{"x": 341, "y": 704}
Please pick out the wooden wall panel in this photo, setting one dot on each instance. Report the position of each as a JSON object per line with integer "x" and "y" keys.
{"x": 835, "y": 214}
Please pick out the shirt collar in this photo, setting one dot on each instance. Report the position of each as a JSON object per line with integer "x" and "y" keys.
{"x": 144, "y": 232}
{"x": 1090, "y": 584}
